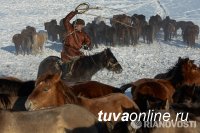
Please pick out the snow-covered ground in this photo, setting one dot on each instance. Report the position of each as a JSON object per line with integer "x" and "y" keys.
{"x": 138, "y": 62}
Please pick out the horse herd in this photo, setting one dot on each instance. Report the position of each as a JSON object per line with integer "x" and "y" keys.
{"x": 29, "y": 41}
{"x": 125, "y": 30}
{"x": 70, "y": 102}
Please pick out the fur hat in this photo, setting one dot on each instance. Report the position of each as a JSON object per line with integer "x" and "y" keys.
{"x": 79, "y": 22}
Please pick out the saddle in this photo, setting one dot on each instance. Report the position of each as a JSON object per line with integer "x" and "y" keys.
{"x": 67, "y": 67}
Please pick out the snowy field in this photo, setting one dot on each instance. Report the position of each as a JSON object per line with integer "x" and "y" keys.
{"x": 141, "y": 61}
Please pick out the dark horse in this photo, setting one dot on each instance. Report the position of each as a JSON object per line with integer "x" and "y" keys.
{"x": 187, "y": 94}
{"x": 162, "y": 90}
{"x": 14, "y": 92}
{"x": 81, "y": 69}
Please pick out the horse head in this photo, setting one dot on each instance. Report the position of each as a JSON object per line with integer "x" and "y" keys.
{"x": 111, "y": 62}
{"x": 46, "y": 93}
{"x": 186, "y": 72}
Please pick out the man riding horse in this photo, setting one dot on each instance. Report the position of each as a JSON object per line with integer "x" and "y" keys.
{"x": 75, "y": 38}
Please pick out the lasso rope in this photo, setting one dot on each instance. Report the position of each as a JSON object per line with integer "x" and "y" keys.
{"x": 84, "y": 7}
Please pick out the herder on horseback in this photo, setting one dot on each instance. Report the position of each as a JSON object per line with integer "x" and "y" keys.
{"x": 75, "y": 38}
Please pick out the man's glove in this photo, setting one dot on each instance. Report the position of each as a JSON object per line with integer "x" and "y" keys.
{"x": 85, "y": 47}
{"x": 76, "y": 11}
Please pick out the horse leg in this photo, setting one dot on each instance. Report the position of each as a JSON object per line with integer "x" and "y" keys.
{"x": 143, "y": 38}
{"x": 167, "y": 105}
{"x": 17, "y": 49}
{"x": 142, "y": 102}
{"x": 41, "y": 47}
{"x": 24, "y": 47}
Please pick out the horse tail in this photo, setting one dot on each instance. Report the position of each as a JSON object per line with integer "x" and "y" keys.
{"x": 123, "y": 88}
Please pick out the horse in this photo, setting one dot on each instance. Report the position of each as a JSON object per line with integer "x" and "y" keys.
{"x": 183, "y": 25}
{"x": 191, "y": 108}
{"x": 196, "y": 27}
{"x": 93, "y": 89}
{"x": 169, "y": 72}
{"x": 39, "y": 40}
{"x": 17, "y": 40}
{"x": 98, "y": 30}
{"x": 161, "y": 90}
{"x": 27, "y": 42}
{"x": 123, "y": 27}
{"x": 91, "y": 31}
{"x": 189, "y": 35}
{"x": 51, "y": 30}
{"x": 109, "y": 35}
{"x": 155, "y": 22}
{"x": 68, "y": 118}
{"x": 16, "y": 87}
{"x": 169, "y": 31}
{"x": 148, "y": 33}
{"x": 81, "y": 69}
{"x": 187, "y": 94}
{"x": 14, "y": 92}
{"x": 60, "y": 30}
{"x": 156, "y": 127}
{"x": 51, "y": 91}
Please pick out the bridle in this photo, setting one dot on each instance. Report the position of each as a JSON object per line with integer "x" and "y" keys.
{"x": 109, "y": 63}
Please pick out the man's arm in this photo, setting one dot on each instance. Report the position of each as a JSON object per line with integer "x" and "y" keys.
{"x": 66, "y": 21}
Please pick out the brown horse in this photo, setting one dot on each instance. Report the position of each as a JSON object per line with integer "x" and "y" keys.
{"x": 155, "y": 22}
{"x": 93, "y": 89}
{"x": 161, "y": 91}
{"x": 65, "y": 119}
{"x": 170, "y": 71}
{"x": 14, "y": 92}
{"x": 169, "y": 31}
{"x": 122, "y": 25}
{"x": 51, "y": 91}
{"x": 39, "y": 40}
{"x": 17, "y": 40}
{"x": 189, "y": 35}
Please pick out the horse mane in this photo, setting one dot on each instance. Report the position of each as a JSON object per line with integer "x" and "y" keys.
{"x": 16, "y": 87}
{"x": 69, "y": 95}
{"x": 97, "y": 58}
{"x": 175, "y": 73}
{"x": 61, "y": 86}
{"x": 96, "y": 55}
{"x": 9, "y": 86}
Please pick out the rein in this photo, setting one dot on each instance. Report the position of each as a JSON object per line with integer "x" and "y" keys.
{"x": 108, "y": 63}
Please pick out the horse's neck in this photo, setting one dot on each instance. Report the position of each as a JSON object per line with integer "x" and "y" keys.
{"x": 98, "y": 60}
{"x": 176, "y": 79}
{"x": 68, "y": 94}
{"x": 95, "y": 62}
